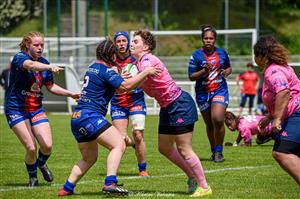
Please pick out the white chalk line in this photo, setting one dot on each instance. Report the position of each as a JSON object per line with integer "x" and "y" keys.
{"x": 137, "y": 177}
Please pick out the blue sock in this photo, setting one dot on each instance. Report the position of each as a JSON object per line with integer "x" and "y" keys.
{"x": 69, "y": 187}
{"x": 32, "y": 170}
{"x": 213, "y": 149}
{"x": 219, "y": 148}
{"x": 110, "y": 179}
{"x": 41, "y": 161}
{"x": 142, "y": 166}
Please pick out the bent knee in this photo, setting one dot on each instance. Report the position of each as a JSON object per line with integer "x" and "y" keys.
{"x": 46, "y": 149}
{"x": 31, "y": 149}
{"x": 138, "y": 137}
{"x": 91, "y": 160}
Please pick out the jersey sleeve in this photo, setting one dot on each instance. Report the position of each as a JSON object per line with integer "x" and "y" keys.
{"x": 194, "y": 65}
{"x": 19, "y": 59}
{"x": 113, "y": 78}
{"x": 226, "y": 60}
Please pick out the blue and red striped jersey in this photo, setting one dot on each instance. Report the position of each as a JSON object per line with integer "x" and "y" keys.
{"x": 133, "y": 97}
{"x": 24, "y": 90}
{"x": 219, "y": 60}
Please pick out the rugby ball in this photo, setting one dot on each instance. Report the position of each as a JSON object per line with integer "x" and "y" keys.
{"x": 131, "y": 68}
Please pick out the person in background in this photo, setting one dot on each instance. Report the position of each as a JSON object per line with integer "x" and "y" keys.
{"x": 23, "y": 104}
{"x": 209, "y": 66}
{"x": 88, "y": 123}
{"x": 281, "y": 96}
{"x": 250, "y": 84}
{"x": 177, "y": 115}
{"x": 4, "y": 79}
{"x": 130, "y": 105}
{"x": 247, "y": 126}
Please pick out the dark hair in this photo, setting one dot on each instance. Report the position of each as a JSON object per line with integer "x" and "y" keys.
{"x": 105, "y": 51}
{"x": 249, "y": 64}
{"x": 205, "y": 28}
{"x": 27, "y": 39}
{"x": 268, "y": 47}
{"x": 147, "y": 37}
{"x": 229, "y": 117}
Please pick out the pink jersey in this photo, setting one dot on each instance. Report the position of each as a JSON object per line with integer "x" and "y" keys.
{"x": 248, "y": 126}
{"x": 278, "y": 78}
{"x": 163, "y": 88}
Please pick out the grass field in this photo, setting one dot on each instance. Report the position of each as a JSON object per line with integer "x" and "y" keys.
{"x": 246, "y": 173}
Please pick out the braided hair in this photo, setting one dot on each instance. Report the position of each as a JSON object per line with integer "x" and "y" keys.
{"x": 105, "y": 51}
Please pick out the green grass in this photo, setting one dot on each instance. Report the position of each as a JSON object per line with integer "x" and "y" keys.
{"x": 246, "y": 173}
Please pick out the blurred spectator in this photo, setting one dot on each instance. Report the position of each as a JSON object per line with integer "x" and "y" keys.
{"x": 249, "y": 88}
{"x": 4, "y": 78}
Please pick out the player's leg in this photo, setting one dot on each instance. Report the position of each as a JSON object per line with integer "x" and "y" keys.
{"x": 120, "y": 117}
{"x": 184, "y": 147}
{"x": 209, "y": 130}
{"x": 26, "y": 137}
{"x": 290, "y": 163}
{"x": 166, "y": 147}
{"x": 42, "y": 131}
{"x": 112, "y": 140}
{"x": 89, "y": 153}
{"x": 251, "y": 103}
{"x": 217, "y": 115}
{"x": 242, "y": 104}
{"x": 138, "y": 126}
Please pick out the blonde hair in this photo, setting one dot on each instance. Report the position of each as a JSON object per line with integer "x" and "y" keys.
{"x": 27, "y": 39}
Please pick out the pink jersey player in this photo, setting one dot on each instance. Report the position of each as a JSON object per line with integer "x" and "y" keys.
{"x": 278, "y": 79}
{"x": 162, "y": 88}
{"x": 247, "y": 126}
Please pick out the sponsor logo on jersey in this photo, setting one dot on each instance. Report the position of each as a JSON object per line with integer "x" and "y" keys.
{"x": 23, "y": 92}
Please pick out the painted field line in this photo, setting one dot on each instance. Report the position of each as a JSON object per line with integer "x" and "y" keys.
{"x": 136, "y": 177}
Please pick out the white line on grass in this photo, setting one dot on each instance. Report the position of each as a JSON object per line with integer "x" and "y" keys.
{"x": 137, "y": 177}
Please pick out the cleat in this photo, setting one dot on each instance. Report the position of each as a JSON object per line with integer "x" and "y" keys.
{"x": 192, "y": 185}
{"x": 114, "y": 189}
{"x": 199, "y": 192}
{"x": 143, "y": 174}
{"x": 62, "y": 192}
{"x": 47, "y": 174}
{"x": 261, "y": 139}
{"x": 218, "y": 157}
{"x": 33, "y": 182}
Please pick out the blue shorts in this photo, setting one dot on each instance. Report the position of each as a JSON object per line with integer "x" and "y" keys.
{"x": 119, "y": 112}
{"x": 244, "y": 99}
{"x": 206, "y": 99}
{"x": 87, "y": 125}
{"x": 290, "y": 129}
{"x": 14, "y": 117}
{"x": 182, "y": 112}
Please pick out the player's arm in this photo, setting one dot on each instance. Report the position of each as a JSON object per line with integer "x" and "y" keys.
{"x": 226, "y": 72}
{"x": 131, "y": 83}
{"x": 57, "y": 90}
{"x": 38, "y": 66}
{"x": 281, "y": 103}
